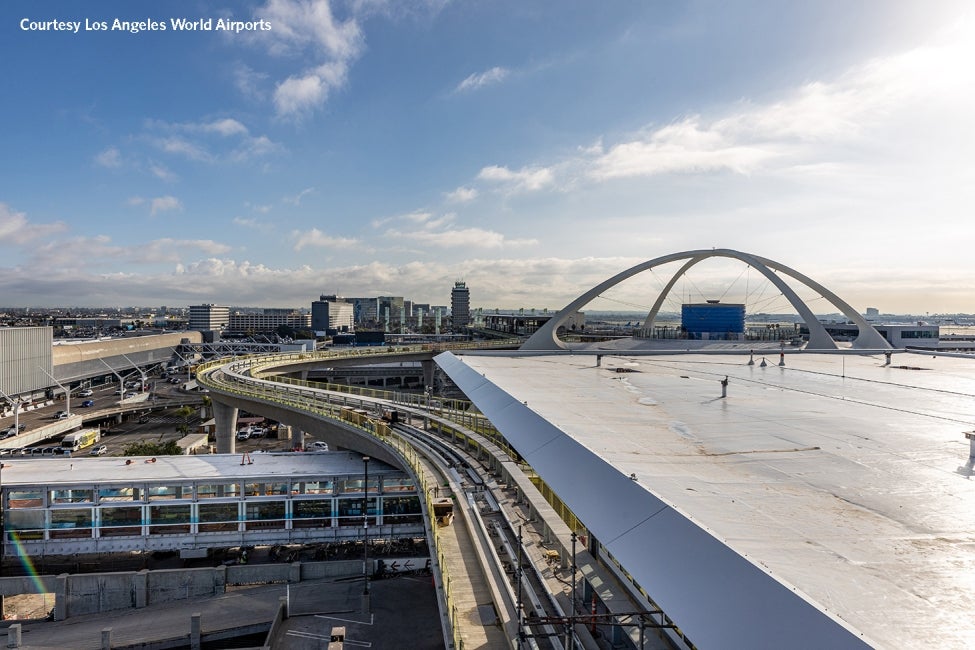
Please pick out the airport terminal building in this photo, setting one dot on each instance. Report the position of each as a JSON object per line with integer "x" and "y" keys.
{"x": 65, "y": 506}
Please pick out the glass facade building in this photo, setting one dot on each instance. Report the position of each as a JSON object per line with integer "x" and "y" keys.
{"x": 278, "y": 504}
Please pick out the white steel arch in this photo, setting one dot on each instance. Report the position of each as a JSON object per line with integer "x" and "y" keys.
{"x": 819, "y": 339}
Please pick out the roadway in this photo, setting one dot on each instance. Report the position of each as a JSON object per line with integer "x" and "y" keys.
{"x": 108, "y": 409}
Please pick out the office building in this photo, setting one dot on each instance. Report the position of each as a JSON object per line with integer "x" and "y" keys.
{"x": 460, "y": 306}
{"x": 208, "y": 317}
{"x": 332, "y": 314}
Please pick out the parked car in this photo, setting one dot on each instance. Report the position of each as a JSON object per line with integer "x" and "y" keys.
{"x": 88, "y": 403}
{"x": 258, "y": 432}
{"x": 100, "y": 450}
{"x": 318, "y": 445}
{"x": 243, "y": 434}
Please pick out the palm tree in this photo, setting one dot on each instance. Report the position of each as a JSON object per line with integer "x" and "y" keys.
{"x": 184, "y": 412}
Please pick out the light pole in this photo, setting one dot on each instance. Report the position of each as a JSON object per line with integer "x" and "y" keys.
{"x": 365, "y": 533}
{"x": 67, "y": 391}
{"x": 142, "y": 374}
{"x": 16, "y": 406}
{"x": 189, "y": 365}
{"x": 121, "y": 381}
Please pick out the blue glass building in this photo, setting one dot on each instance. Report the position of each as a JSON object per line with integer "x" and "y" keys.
{"x": 713, "y": 318}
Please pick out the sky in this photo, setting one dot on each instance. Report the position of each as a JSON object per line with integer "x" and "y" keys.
{"x": 530, "y": 149}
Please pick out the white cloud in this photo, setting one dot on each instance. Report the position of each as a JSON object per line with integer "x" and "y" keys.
{"x": 680, "y": 147}
{"x": 250, "y": 82}
{"x": 428, "y": 220}
{"x": 257, "y": 225}
{"x": 888, "y": 102}
{"x": 256, "y": 147}
{"x": 175, "y": 250}
{"x": 211, "y": 140}
{"x": 309, "y": 31}
{"x": 463, "y": 237}
{"x": 182, "y": 147}
{"x": 297, "y": 198}
{"x": 262, "y": 208}
{"x": 319, "y": 239}
{"x": 17, "y": 229}
{"x": 462, "y": 195}
{"x": 481, "y": 79}
{"x": 225, "y": 127}
{"x": 309, "y": 24}
{"x": 164, "y": 204}
{"x": 527, "y": 179}
{"x": 162, "y": 172}
{"x": 299, "y": 95}
{"x": 110, "y": 158}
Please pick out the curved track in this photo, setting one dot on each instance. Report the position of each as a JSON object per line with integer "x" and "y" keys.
{"x": 534, "y": 594}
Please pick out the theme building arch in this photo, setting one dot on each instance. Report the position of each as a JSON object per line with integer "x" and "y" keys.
{"x": 819, "y": 339}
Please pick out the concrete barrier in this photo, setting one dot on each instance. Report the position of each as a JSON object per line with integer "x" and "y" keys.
{"x": 92, "y": 593}
{"x": 170, "y": 585}
{"x": 336, "y": 569}
{"x": 259, "y": 574}
{"x": 98, "y": 592}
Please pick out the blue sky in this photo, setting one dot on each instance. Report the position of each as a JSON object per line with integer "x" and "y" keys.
{"x": 531, "y": 149}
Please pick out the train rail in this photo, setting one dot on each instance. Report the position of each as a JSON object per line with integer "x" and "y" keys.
{"x": 534, "y": 597}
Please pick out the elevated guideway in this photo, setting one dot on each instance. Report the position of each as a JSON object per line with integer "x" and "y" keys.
{"x": 266, "y": 385}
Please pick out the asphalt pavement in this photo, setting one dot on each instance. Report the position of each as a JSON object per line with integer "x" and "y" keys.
{"x": 403, "y": 613}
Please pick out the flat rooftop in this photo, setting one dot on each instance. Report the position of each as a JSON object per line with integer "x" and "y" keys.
{"x": 60, "y": 470}
{"x": 845, "y": 479}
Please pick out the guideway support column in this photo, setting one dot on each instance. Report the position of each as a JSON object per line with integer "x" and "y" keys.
{"x": 428, "y": 369}
{"x": 226, "y": 419}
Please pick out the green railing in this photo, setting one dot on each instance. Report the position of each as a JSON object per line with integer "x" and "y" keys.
{"x": 207, "y": 375}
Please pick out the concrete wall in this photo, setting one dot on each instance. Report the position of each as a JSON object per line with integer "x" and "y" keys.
{"x": 79, "y": 594}
{"x": 93, "y": 593}
{"x": 260, "y": 574}
{"x": 183, "y": 584}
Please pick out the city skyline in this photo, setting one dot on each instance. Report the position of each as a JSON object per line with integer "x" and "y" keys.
{"x": 380, "y": 148}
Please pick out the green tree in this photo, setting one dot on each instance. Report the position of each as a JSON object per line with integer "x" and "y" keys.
{"x": 146, "y": 448}
{"x": 184, "y": 412}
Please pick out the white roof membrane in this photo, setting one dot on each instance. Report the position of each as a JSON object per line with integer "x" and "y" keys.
{"x": 826, "y": 503}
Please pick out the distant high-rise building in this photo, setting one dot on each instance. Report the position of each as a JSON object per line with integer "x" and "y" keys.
{"x": 332, "y": 314}
{"x": 204, "y": 318}
{"x": 364, "y": 310}
{"x": 872, "y": 312}
{"x": 391, "y": 305}
{"x": 460, "y": 306}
